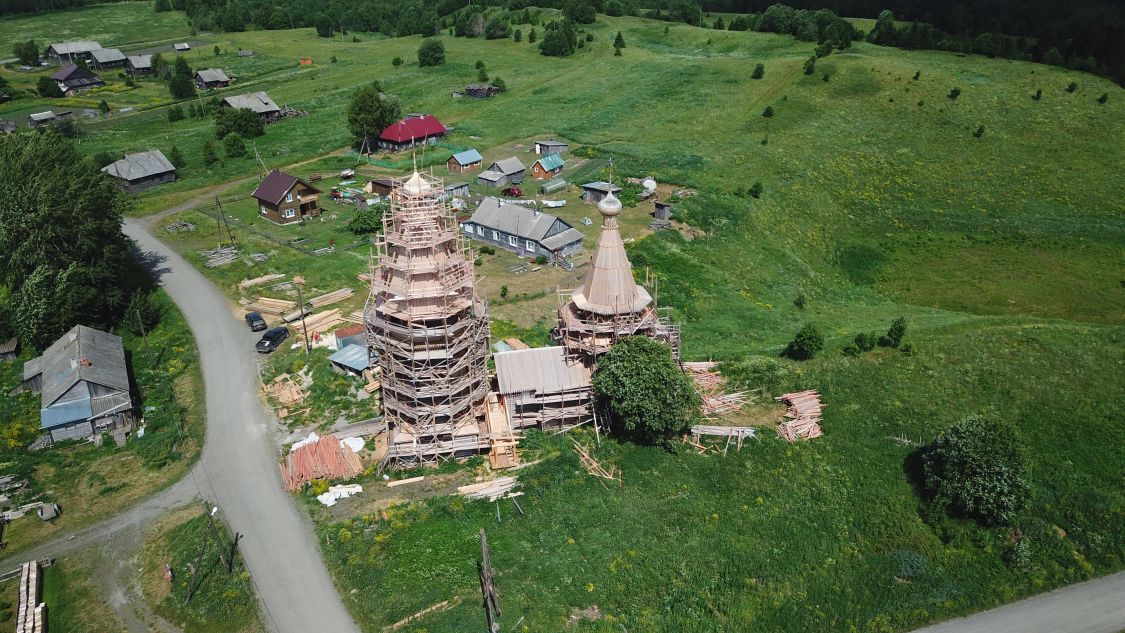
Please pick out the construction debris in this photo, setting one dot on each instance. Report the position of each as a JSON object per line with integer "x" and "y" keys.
{"x": 331, "y": 297}
{"x": 179, "y": 226}
{"x": 499, "y": 488}
{"x": 732, "y": 433}
{"x": 709, "y": 383}
{"x": 220, "y": 256}
{"x": 592, "y": 465}
{"x": 319, "y": 458}
{"x": 257, "y": 281}
{"x": 441, "y": 606}
{"x": 286, "y": 390}
{"x": 515, "y": 343}
{"x": 320, "y": 322}
{"x": 400, "y": 482}
{"x": 355, "y": 317}
{"x": 804, "y": 416}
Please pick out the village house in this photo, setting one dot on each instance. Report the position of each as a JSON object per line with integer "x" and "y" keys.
{"x": 522, "y": 230}
{"x": 550, "y": 147}
{"x": 413, "y": 130}
{"x": 285, "y": 199}
{"x": 211, "y": 78}
{"x": 142, "y": 170}
{"x": 594, "y": 192}
{"x": 462, "y": 162}
{"x": 547, "y": 167}
{"x": 257, "y": 102}
{"x": 69, "y": 52}
{"x": 503, "y": 172}
{"x": 73, "y": 78}
{"x": 84, "y": 382}
{"x": 107, "y": 58}
{"x": 138, "y": 65}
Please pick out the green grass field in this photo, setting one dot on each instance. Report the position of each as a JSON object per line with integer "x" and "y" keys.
{"x": 112, "y": 25}
{"x": 1004, "y": 252}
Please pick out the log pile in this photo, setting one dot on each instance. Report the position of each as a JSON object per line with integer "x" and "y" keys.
{"x": 257, "y": 281}
{"x": 711, "y": 386}
{"x": 804, "y": 416}
{"x": 31, "y": 616}
{"x": 325, "y": 458}
{"x": 322, "y": 322}
{"x": 499, "y": 488}
{"x": 220, "y": 256}
{"x": 734, "y": 434}
{"x": 355, "y": 317}
{"x": 331, "y": 297}
{"x": 594, "y": 467}
{"x": 276, "y": 307}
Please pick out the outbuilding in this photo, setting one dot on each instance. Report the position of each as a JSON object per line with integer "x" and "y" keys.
{"x": 40, "y": 119}
{"x": 462, "y": 162}
{"x": 258, "y": 102}
{"x": 285, "y": 199}
{"x": 379, "y": 186}
{"x": 503, "y": 172}
{"x": 182, "y": 47}
{"x": 107, "y": 58}
{"x": 543, "y": 387}
{"x": 69, "y": 52}
{"x": 550, "y": 147}
{"x": 211, "y": 78}
{"x": 481, "y": 91}
{"x": 73, "y": 78}
{"x": 142, "y": 170}
{"x": 547, "y": 167}
{"x": 522, "y": 230}
{"x": 411, "y": 131}
{"x": 351, "y": 360}
{"x": 594, "y": 191}
{"x": 138, "y": 65}
{"x": 457, "y": 190}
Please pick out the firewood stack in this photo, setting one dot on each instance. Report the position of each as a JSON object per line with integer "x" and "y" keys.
{"x": 710, "y": 385}
{"x": 804, "y": 416}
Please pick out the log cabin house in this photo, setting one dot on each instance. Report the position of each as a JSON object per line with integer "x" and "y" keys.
{"x": 286, "y": 199}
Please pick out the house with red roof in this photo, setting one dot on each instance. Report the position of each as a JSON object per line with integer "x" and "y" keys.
{"x": 285, "y": 199}
{"x": 415, "y": 129}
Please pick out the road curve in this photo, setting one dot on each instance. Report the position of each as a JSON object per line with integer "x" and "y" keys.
{"x": 1094, "y": 606}
{"x": 238, "y": 469}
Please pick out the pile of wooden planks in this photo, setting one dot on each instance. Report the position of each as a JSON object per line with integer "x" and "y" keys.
{"x": 286, "y": 390}
{"x": 331, "y": 297}
{"x": 220, "y": 256}
{"x": 516, "y": 344}
{"x": 355, "y": 317}
{"x": 364, "y": 277}
{"x": 257, "y": 281}
{"x": 710, "y": 385}
{"x": 592, "y": 465}
{"x": 32, "y": 614}
{"x": 325, "y": 458}
{"x": 320, "y": 322}
{"x": 804, "y": 416}
{"x": 276, "y": 307}
{"x": 499, "y": 488}
{"x": 732, "y": 433}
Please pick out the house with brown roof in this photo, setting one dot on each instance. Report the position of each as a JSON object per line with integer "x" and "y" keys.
{"x": 211, "y": 78}
{"x": 73, "y": 78}
{"x": 286, "y": 199}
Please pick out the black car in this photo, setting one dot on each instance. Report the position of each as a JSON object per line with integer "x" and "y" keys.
{"x": 272, "y": 339}
{"x": 255, "y": 321}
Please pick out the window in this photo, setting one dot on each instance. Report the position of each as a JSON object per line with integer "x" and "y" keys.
{"x": 480, "y": 230}
{"x": 289, "y": 213}
{"x": 530, "y": 246}
{"x": 263, "y": 209}
{"x": 495, "y": 236}
{"x": 289, "y": 197}
{"x": 468, "y": 228}
{"x": 511, "y": 240}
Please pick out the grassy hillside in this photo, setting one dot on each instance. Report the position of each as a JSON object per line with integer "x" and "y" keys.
{"x": 112, "y": 25}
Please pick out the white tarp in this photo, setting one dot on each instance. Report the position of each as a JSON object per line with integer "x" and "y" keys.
{"x": 313, "y": 438}
{"x": 336, "y": 493}
{"x": 554, "y": 204}
{"x": 354, "y": 443}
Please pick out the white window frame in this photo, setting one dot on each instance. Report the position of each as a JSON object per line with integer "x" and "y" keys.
{"x": 263, "y": 209}
{"x": 289, "y": 213}
{"x": 512, "y": 241}
{"x": 495, "y": 236}
{"x": 480, "y": 230}
{"x": 289, "y": 197}
{"x": 530, "y": 246}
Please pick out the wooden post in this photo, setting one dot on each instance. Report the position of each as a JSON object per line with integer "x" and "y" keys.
{"x": 233, "y": 551}
{"x": 487, "y": 586}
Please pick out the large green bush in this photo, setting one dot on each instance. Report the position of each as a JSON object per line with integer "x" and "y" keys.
{"x": 431, "y": 53}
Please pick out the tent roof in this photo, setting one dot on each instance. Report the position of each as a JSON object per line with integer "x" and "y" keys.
{"x": 609, "y": 287}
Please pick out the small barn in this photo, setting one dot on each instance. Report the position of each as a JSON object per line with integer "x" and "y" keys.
{"x": 547, "y": 167}
{"x": 522, "y": 230}
{"x": 107, "y": 58}
{"x": 73, "y": 78}
{"x": 351, "y": 360}
{"x": 543, "y": 388}
{"x": 462, "y": 162}
{"x": 40, "y": 119}
{"x": 421, "y": 129}
{"x": 138, "y": 65}
{"x": 84, "y": 381}
{"x": 258, "y": 102}
{"x": 481, "y": 91}
{"x": 211, "y": 78}
{"x": 457, "y": 190}
{"x": 663, "y": 211}
{"x": 550, "y": 147}
{"x": 509, "y": 171}
{"x": 142, "y": 170}
{"x": 593, "y": 192}
{"x": 70, "y": 52}
{"x": 379, "y": 186}
{"x": 285, "y": 199}
{"x": 351, "y": 335}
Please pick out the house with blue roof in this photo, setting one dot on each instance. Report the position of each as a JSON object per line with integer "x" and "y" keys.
{"x": 462, "y": 162}
{"x": 84, "y": 381}
{"x": 548, "y": 166}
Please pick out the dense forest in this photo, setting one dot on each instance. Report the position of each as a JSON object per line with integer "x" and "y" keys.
{"x": 13, "y": 7}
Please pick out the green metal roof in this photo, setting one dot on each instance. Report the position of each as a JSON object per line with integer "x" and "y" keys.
{"x": 551, "y": 162}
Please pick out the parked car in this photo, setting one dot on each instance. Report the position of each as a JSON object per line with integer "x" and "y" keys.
{"x": 255, "y": 321}
{"x": 513, "y": 192}
{"x": 272, "y": 339}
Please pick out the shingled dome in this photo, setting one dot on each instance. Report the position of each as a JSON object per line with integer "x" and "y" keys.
{"x": 609, "y": 288}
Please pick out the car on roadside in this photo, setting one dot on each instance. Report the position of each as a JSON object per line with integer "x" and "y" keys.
{"x": 255, "y": 321}
{"x": 513, "y": 192}
{"x": 272, "y": 339}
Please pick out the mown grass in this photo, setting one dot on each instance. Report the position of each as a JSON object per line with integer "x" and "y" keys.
{"x": 74, "y": 604}
{"x": 112, "y": 25}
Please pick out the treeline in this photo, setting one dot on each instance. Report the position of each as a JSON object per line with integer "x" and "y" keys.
{"x": 15, "y": 7}
{"x": 1084, "y": 35}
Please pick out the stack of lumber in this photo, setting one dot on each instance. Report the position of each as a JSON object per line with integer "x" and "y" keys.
{"x": 325, "y": 458}
{"x": 32, "y": 614}
{"x": 593, "y": 466}
{"x": 711, "y": 388}
{"x": 735, "y": 433}
{"x": 355, "y": 317}
{"x": 364, "y": 277}
{"x": 220, "y": 256}
{"x": 804, "y": 416}
{"x": 286, "y": 390}
{"x": 320, "y": 322}
{"x": 515, "y": 343}
{"x": 499, "y": 488}
{"x": 331, "y": 297}
{"x": 276, "y": 307}
{"x": 257, "y": 281}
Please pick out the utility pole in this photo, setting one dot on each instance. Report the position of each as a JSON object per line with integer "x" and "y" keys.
{"x": 299, "y": 281}
{"x": 487, "y": 586}
{"x": 193, "y": 584}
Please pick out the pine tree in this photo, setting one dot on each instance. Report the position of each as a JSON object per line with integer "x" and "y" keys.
{"x": 175, "y": 157}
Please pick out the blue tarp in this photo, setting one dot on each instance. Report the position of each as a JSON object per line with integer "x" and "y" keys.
{"x": 353, "y": 357}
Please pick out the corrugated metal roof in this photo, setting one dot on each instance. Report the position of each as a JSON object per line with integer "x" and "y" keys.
{"x": 211, "y": 75}
{"x": 71, "y": 48}
{"x": 140, "y": 61}
{"x": 42, "y": 116}
{"x": 83, "y": 354}
{"x": 602, "y": 186}
{"x": 541, "y": 370}
{"x": 468, "y": 157}
{"x": 259, "y": 102}
{"x": 113, "y": 403}
{"x": 352, "y": 356}
{"x": 106, "y": 55}
{"x": 551, "y": 162}
{"x": 552, "y": 143}
{"x": 65, "y": 412}
{"x": 507, "y": 166}
{"x": 140, "y": 165}
{"x": 513, "y": 218}
{"x": 412, "y": 128}
{"x": 561, "y": 239}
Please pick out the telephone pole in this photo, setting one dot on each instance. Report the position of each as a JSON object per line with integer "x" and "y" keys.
{"x": 299, "y": 281}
